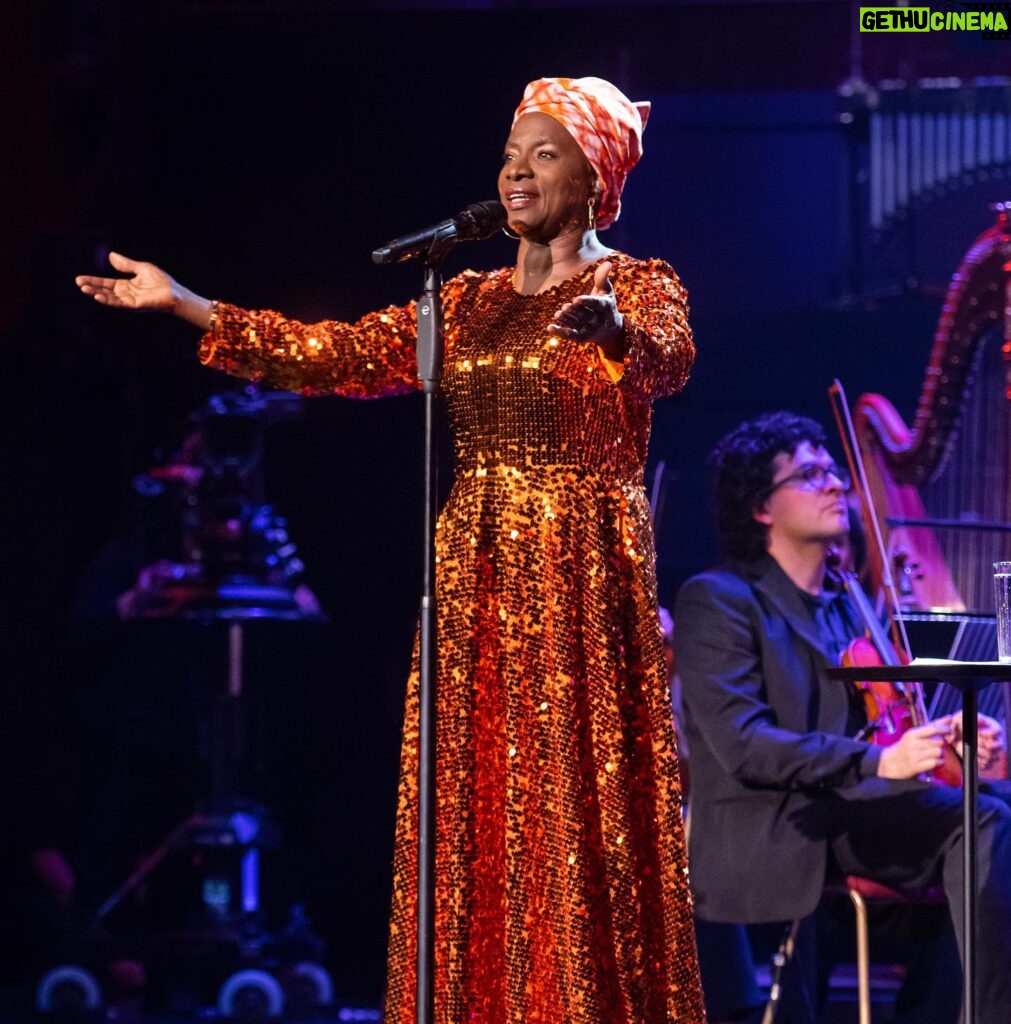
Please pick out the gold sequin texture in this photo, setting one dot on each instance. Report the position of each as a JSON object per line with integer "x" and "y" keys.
{"x": 561, "y": 890}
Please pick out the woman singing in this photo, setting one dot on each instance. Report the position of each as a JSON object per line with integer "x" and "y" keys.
{"x": 561, "y": 894}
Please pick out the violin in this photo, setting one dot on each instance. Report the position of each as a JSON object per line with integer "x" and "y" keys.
{"x": 892, "y": 708}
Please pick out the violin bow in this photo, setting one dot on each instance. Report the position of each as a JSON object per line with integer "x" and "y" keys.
{"x": 848, "y": 435}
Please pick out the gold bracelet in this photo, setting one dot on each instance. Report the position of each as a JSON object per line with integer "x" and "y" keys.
{"x": 212, "y": 322}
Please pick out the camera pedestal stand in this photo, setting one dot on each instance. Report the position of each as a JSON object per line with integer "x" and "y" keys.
{"x": 225, "y": 838}
{"x": 226, "y": 826}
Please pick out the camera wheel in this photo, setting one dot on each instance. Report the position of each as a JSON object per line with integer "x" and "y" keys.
{"x": 68, "y": 987}
{"x": 307, "y": 986}
{"x": 251, "y": 994}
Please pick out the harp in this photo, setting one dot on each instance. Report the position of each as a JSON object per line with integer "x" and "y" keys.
{"x": 942, "y": 487}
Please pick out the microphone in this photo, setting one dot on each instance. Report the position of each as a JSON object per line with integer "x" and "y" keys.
{"x": 477, "y": 221}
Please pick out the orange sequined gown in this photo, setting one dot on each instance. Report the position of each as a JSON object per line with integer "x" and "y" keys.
{"x": 561, "y": 885}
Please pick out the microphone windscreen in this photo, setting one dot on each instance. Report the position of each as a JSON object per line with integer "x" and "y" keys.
{"x": 479, "y": 220}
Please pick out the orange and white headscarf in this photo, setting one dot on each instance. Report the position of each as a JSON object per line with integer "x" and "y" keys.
{"x": 607, "y": 125}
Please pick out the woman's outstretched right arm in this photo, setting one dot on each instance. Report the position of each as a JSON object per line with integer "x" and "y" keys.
{"x": 371, "y": 358}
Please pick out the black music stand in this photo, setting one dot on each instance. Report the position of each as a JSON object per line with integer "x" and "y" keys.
{"x": 970, "y": 677}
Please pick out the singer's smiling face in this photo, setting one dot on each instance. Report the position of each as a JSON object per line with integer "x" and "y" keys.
{"x": 545, "y": 181}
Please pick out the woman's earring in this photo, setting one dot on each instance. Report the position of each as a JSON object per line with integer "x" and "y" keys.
{"x": 591, "y": 212}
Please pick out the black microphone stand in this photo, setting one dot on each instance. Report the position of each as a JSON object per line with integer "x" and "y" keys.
{"x": 430, "y": 352}
{"x": 477, "y": 221}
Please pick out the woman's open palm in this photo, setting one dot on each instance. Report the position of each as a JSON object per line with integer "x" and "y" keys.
{"x": 149, "y": 287}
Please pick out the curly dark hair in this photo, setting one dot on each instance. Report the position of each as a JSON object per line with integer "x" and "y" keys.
{"x": 743, "y": 464}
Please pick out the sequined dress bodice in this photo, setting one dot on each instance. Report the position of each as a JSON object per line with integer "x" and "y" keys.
{"x": 520, "y": 397}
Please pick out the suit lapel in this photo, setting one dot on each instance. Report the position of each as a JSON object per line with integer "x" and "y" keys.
{"x": 775, "y": 587}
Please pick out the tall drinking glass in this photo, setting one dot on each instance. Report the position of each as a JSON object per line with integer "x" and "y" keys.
{"x": 1002, "y": 598}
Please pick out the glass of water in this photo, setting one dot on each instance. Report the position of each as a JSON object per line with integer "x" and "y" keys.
{"x": 1002, "y": 598}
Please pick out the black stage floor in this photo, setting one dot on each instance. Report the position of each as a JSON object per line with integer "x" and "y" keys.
{"x": 17, "y": 1006}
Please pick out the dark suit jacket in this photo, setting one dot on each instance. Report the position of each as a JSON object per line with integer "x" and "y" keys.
{"x": 766, "y": 732}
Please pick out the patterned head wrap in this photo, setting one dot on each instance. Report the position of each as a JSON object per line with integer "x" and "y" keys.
{"x": 605, "y": 123}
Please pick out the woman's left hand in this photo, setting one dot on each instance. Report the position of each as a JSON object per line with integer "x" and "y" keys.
{"x": 594, "y": 318}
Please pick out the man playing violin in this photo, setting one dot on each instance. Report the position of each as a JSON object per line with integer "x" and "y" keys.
{"x": 783, "y": 787}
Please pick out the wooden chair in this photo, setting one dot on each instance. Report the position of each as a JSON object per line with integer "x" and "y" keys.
{"x": 862, "y": 892}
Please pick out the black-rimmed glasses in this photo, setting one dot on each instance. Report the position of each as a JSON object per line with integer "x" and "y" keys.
{"x": 814, "y": 477}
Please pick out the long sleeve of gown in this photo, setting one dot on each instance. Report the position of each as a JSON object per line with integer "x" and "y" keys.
{"x": 659, "y": 349}
{"x": 371, "y": 358}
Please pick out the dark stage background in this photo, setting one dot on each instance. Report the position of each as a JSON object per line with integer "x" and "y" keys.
{"x": 259, "y": 151}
